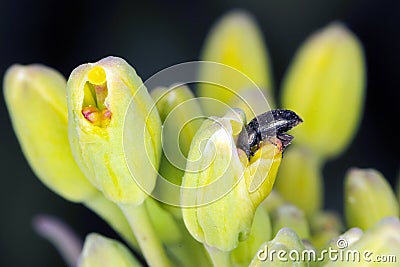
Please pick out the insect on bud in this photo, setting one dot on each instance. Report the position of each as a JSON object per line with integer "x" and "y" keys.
{"x": 227, "y": 184}
{"x": 266, "y": 127}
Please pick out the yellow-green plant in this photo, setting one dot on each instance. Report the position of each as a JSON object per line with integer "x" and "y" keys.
{"x": 367, "y": 190}
{"x": 216, "y": 205}
{"x": 213, "y": 157}
{"x": 35, "y": 96}
{"x": 102, "y": 251}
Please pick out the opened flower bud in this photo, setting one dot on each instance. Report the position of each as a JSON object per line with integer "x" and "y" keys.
{"x": 114, "y": 129}
{"x": 35, "y": 96}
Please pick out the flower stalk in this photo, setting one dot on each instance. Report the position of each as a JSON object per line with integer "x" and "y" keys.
{"x": 149, "y": 242}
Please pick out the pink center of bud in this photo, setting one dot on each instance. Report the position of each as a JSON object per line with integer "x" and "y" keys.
{"x": 94, "y": 108}
{"x": 97, "y": 117}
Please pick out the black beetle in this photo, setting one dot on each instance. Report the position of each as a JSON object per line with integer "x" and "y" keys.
{"x": 273, "y": 123}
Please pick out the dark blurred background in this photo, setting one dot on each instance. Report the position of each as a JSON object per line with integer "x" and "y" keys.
{"x": 157, "y": 34}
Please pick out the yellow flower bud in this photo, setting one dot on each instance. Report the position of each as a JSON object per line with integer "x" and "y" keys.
{"x": 114, "y": 129}
{"x": 181, "y": 116}
{"x": 221, "y": 188}
{"x": 351, "y": 236}
{"x": 113, "y": 216}
{"x": 287, "y": 241}
{"x": 290, "y": 216}
{"x": 325, "y": 84}
{"x": 300, "y": 180}
{"x": 368, "y": 198}
{"x": 236, "y": 42}
{"x": 383, "y": 239}
{"x": 341, "y": 243}
{"x": 253, "y": 103}
{"x": 180, "y": 113}
{"x": 378, "y": 246}
{"x": 324, "y": 225}
{"x": 101, "y": 251}
{"x": 35, "y": 97}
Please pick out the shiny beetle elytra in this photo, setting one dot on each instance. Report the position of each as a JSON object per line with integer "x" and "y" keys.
{"x": 273, "y": 123}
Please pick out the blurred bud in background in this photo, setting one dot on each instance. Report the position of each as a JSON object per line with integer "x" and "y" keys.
{"x": 180, "y": 113}
{"x": 325, "y": 86}
{"x": 114, "y": 129}
{"x": 342, "y": 242}
{"x": 351, "y": 236}
{"x": 236, "y": 41}
{"x": 101, "y": 251}
{"x": 290, "y": 216}
{"x": 273, "y": 201}
{"x": 35, "y": 98}
{"x": 368, "y": 198}
{"x": 181, "y": 116}
{"x": 285, "y": 240}
{"x": 324, "y": 225}
{"x": 378, "y": 246}
{"x": 300, "y": 181}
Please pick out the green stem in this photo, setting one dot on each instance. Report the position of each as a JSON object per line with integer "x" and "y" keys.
{"x": 219, "y": 257}
{"x": 152, "y": 248}
{"x": 112, "y": 214}
{"x": 188, "y": 251}
{"x": 180, "y": 246}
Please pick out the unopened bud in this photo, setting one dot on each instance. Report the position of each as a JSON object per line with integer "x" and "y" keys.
{"x": 368, "y": 198}
{"x": 325, "y": 84}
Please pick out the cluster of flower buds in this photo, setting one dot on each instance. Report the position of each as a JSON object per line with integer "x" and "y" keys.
{"x": 103, "y": 140}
